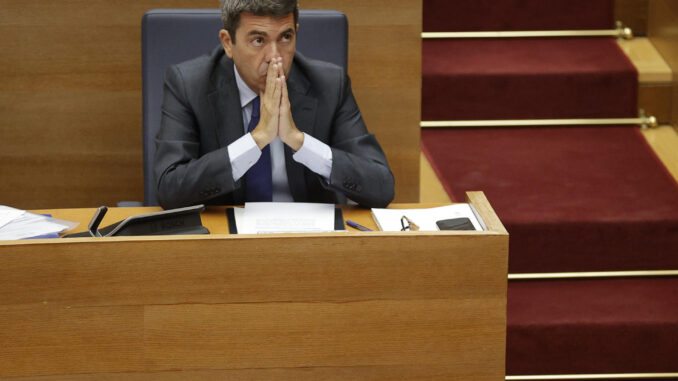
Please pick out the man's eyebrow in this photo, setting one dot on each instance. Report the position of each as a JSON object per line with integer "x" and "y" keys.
{"x": 262, "y": 33}
{"x": 257, "y": 33}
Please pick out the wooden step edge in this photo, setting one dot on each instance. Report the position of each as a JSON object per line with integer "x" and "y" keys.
{"x": 431, "y": 190}
{"x": 651, "y": 66}
{"x": 664, "y": 143}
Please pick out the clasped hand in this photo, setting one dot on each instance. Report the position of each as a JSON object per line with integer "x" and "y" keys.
{"x": 275, "y": 114}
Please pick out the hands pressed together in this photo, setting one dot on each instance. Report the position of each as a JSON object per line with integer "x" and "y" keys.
{"x": 275, "y": 114}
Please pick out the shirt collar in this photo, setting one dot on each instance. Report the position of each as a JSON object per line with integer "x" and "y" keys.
{"x": 246, "y": 94}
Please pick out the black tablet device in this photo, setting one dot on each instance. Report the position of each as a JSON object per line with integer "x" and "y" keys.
{"x": 167, "y": 222}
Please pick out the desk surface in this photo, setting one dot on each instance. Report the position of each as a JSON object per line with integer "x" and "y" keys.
{"x": 214, "y": 217}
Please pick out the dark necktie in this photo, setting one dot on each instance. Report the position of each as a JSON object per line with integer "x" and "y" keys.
{"x": 258, "y": 182}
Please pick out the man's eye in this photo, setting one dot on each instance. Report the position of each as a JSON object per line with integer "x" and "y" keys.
{"x": 287, "y": 37}
{"x": 258, "y": 41}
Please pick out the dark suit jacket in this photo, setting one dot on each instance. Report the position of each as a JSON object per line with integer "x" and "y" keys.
{"x": 201, "y": 116}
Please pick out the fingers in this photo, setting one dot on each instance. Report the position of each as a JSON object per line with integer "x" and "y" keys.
{"x": 271, "y": 103}
{"x": 268, "y": 126}
{"x": 275, "y": 70}
{"x": 285, "y": 100}
{"x": 288, "y": 131}
{"x": 271, "y": 75}
{"x": 277, "y": 73}
{"x": 283, "y": 81}
{"x": 277, "y": 92}
{"x": 279, "y": 63}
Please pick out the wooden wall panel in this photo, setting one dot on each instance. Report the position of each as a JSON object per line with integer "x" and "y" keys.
{"x": 365, "y": 333}
{"x": 633, "y": 13}
{"x": 70, "y": 95}
{"x": 663, "y": 32}
{"x": 656, "y": 101}
{"x": 81, "y": 274}
{"x": 385, "y": 67}
{"x": 44, "y": 337}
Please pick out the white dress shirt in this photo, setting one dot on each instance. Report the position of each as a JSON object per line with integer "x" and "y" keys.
{"x": 244, "y": 152}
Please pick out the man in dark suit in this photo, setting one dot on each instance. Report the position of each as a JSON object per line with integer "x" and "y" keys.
{"x": 257, "y": 121}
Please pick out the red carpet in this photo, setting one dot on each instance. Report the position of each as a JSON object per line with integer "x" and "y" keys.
{"x": 572, "y": 199}
{"x": 474, "y": 15}
{"x": 527, "y": 79}
{"x": 592, "y": 326}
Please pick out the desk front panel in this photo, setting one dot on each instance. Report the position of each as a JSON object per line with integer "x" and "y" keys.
{"x": 300, "y": 306}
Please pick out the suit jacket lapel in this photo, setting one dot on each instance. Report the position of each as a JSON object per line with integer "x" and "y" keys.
{"x": 225, "y": 102}
{"x": 303, "y": 109}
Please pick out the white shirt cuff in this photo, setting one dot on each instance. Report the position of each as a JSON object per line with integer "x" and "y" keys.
{"x": 315, "y": 155}
{"x": 244, "y": 153}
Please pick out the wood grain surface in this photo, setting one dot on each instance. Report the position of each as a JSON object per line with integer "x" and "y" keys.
{"x": 350, "y": 305}
{"x": 391, "y": 372}
{"x": 664, "y": 142}
{"x": 652, "y": 69}
{"x": 657, "y": 100}
{"x": 663, "y": 32}
{"x": 70, "y": 95}
{"x": 633, "y": 13}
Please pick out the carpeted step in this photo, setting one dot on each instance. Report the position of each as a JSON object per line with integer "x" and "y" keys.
{"x": 592, "y": 326}
{"x": 527, "y": 79}
{"x": 571, "y": 198}
{"x": 496, "y": 15}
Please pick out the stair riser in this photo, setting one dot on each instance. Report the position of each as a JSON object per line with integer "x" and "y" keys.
{"x": 476, "y": 15}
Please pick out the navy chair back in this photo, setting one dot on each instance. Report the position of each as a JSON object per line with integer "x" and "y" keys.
{"x": 170, "y": 36}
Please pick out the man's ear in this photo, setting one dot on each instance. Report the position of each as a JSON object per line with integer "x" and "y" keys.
{"x": 226, "y": 42}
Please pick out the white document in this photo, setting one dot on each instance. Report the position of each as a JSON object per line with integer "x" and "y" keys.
{"x": 27, "y": 225}
{"x": 8, "y": 214}
{"x": 284, "y": 217}
{"x": 389, "y": 219}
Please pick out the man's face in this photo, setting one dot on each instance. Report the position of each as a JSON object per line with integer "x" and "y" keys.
{"x": 258, "y": 40}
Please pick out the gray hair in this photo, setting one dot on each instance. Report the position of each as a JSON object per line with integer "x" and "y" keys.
{"x": 231, "y": 10}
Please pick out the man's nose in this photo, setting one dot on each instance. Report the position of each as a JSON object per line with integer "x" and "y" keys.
{"x": 272, "y": 52}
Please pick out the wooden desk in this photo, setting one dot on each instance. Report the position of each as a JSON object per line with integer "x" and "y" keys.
{"x": 352, "y": 306}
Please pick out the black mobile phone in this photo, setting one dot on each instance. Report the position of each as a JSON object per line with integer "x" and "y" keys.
{"x": 462, "y": 223}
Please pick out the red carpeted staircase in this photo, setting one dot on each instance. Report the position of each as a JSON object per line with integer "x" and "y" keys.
{"x": 502, "y": 15}
{"x": 574, "y": 199}
{"x": 548, "y": 78}
{"x": 599, "y": 326}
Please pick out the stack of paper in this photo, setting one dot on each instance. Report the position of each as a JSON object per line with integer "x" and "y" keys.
{"x": 284, "y": 217}
{"x": 389, "y": 219}
{"x": 20, "y": 224}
